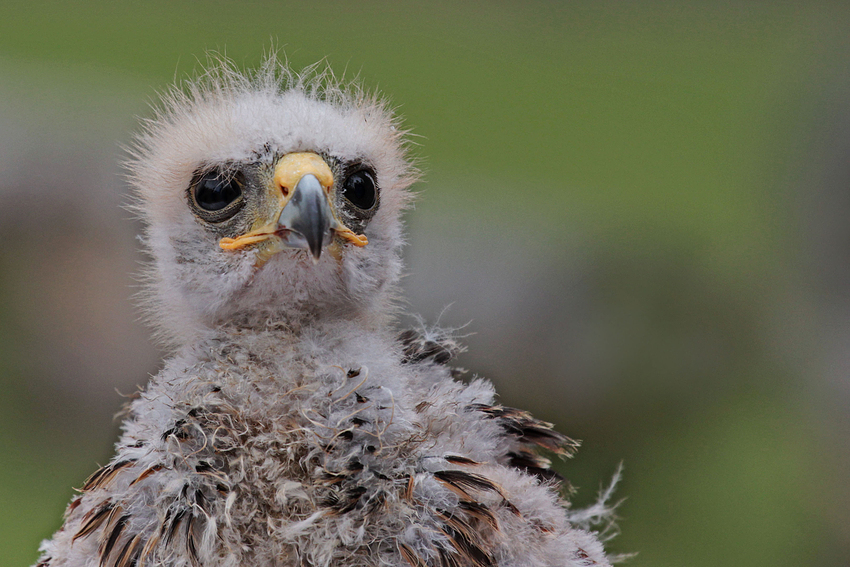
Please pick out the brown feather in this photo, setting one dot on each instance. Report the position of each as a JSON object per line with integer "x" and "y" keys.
{"x": 459, "y": 460}
{"x": 468, "y": 548}
{"x": 536, "y": 465}
{"x": 93, "y": 519}
{"x": 149, "y": 471}
{"x": 513, "y": 509}
{"x": 148, "y": 549}
{"x": 448, "y": 558}
{"x": 93, "y": 479}
{"x": 115, "y": 529}
{"x": 410, "y": 556}
{"x": 416, "y": 347}
{"x": 466, "y": 538}
{"x": 73, "y": 505}
{"x": 461, "y": 482}
{"x": 480, "y": 512}
{"x": 201, "y": 501}
{"x": 408, "y": 493}
{"x": 191, "y": 543}
{"x": 129, "y": 553}
{"x": 175, "y": 523}
{"x": 529, "y": 430}
{"x": 104, "y": 475}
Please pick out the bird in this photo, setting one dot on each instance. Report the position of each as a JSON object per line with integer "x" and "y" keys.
{"x": 293, "y": 423}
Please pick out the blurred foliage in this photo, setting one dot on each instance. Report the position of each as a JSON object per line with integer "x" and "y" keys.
{"x": 652, "y": 147}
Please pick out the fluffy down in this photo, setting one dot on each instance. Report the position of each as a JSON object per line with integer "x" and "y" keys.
{"x": 293, "y": 426}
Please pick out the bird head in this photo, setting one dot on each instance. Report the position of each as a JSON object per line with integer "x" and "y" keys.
{"x": 269, "y": 196}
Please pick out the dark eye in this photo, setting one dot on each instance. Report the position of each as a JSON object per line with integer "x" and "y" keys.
{"x": 216, "y": 196}
{"x": 359, "y": 188}
{"x": 214, "y": 191}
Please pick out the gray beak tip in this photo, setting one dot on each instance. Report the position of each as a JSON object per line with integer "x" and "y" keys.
{"x": 308, "y": 215}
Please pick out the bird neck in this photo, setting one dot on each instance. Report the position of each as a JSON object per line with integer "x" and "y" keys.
{"x": 308, "y": 326}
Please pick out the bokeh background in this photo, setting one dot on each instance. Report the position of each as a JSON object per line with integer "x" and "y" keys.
{"x": 639, "y": 210}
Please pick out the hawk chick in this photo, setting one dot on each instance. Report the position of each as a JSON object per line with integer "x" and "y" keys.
{"x": 292, "y": 426}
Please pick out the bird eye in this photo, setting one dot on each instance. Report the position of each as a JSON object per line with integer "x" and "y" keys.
{"x": 213, "y": 191}
{"x": 360, "y": 190}
{"x": 216, "y": 196}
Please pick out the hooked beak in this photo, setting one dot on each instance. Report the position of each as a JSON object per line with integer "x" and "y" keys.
{"x": 302, "y": 217}
{"x": 307, "y": 217}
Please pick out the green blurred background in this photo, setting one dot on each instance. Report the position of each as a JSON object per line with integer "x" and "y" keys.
{"x": 639, "y": 208}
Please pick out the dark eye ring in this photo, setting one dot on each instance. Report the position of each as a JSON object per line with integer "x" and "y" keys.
{"x": 216, "y": 196}
{"x": 360, "y": 189}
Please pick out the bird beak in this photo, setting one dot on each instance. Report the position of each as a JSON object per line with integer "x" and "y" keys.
{"x": 302, "y": 216}
{"x": 307, "y": 217}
